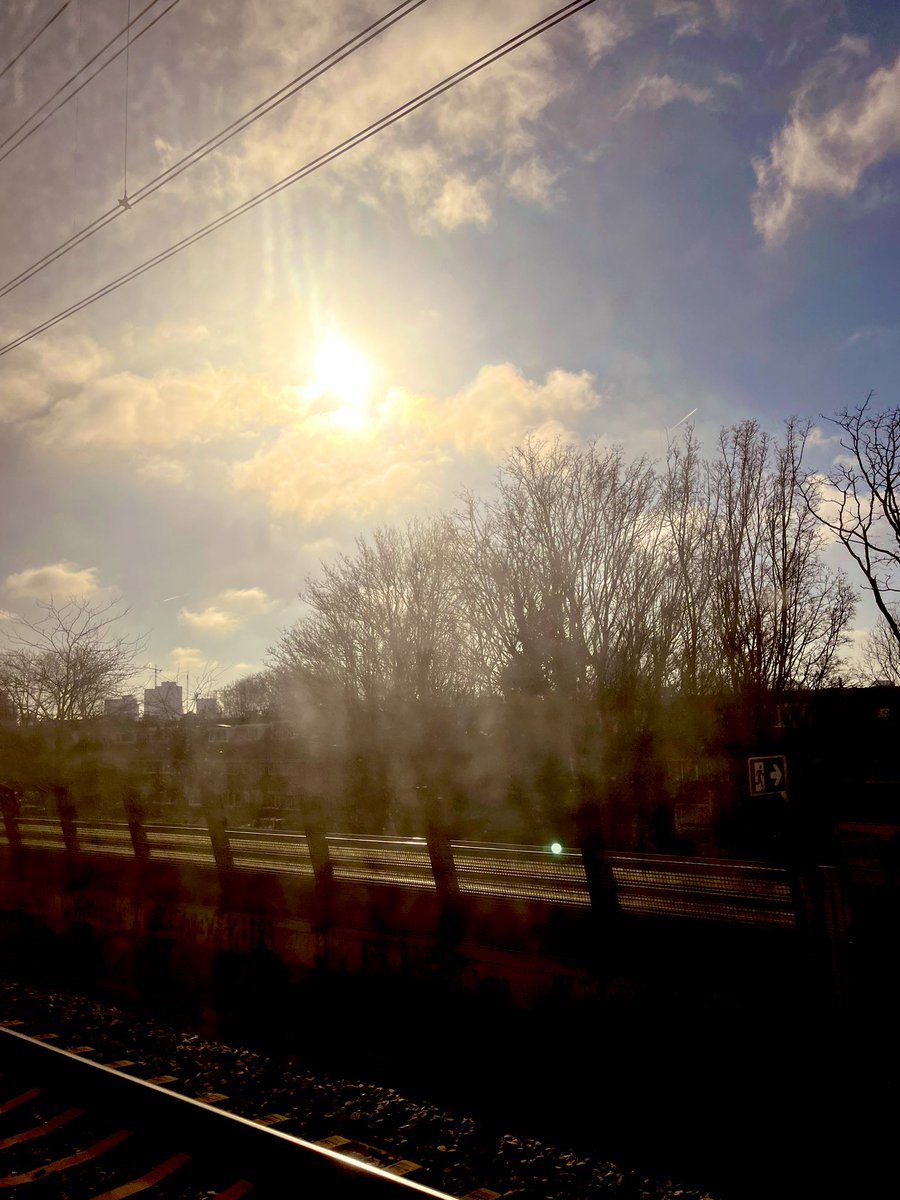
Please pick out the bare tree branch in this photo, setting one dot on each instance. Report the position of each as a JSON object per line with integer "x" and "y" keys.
{"x": 865, "y": 515}
{"x": 66, "y": 662}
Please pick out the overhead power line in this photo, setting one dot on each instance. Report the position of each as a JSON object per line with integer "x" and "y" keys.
{"x": 315, "y": 164}
{"x": 295, "y": 85}
{"x": 12, "y": 62}
{"x": 125, "y": 122}
{"x": 84, "y": 66}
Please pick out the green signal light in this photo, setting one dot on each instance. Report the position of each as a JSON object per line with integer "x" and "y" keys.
{"x": 556, "y": 847}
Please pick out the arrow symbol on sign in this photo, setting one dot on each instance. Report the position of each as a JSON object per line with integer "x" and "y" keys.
{"x": 775, "y": 775}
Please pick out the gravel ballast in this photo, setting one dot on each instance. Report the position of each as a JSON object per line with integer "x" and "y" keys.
{"x": 455, "y": 1153}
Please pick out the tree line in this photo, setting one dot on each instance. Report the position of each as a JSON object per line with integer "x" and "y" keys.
{"x": 584, "y": 574}
{"x": 597, "y": 633}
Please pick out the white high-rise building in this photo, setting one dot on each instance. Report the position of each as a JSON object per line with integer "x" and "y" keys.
{"x": 163, "y": 701}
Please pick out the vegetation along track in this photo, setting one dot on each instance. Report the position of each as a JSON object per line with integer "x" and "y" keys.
{"x": 75, "y": 1129}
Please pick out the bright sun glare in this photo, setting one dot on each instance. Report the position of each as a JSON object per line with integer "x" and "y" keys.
{"x": 340, "y": 370}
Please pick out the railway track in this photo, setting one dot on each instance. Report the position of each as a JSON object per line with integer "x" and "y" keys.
{"x": 74, "y": 1129}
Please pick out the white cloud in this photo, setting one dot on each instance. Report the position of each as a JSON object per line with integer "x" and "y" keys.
{"x": 818, "y": 437}
{"x": 727, "y": 10}
{"x": 533, "y": 181}
{"x": 61, "y": 580}
{"x": 185, "y": 333}
{"x": 321, "y": 548}
{"x": 166, "y": 471}
{"x": 294, "y": 449}
{"x": 449, "y": 162}
{"x": 828, "y": 500}
{"x": 501, "y": 406}
{"x": 316, "y": 468}
{"x": 656, "y": 91}
{"x": 602, "y": 30}
{"x": 462, "y": 203}
{"x": 41, "y": 371}
{"x": 229, "y": 610}
{"x": 246, "y": 600}
{"x": 825, "y": 150}
{"x": 729, "y": 79}
{"x": 189, "y": 659}
{"x": 129, "y": 411}
{"x": 209, "y": 620}
{"x": 689, "y": 17}
{"x": 868, "y": 334}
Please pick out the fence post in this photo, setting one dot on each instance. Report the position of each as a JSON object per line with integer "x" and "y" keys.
{"x": 323, "y": 873}
{"x": 135, "y": 816}
{"x": 835, "y": 927}
{"x": 601, "y": 882}
{"x": 65, "y": 810}
{"x": 442, "y": 865}
{"x": 443, "y": 868}
{"x": 9, "y": 800}
{"x": 218, "y": 835}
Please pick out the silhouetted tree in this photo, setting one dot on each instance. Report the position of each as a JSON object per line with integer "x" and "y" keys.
{"x": 562, "y": 570}
{"x": 689, "y": 515}
{"x": 862, "y": 505}
{"x": 881, "y": 653}
{"x": 254, "y": 696}
{"x": 386, "y": 623}
{"x": 64, "y": 663}
{"x": 781, "y": 612}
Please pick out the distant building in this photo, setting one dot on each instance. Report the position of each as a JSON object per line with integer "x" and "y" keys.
{"x": 207, "y": 707}
{"x": 163, "y": 701}
{"x": 121, "y": 706}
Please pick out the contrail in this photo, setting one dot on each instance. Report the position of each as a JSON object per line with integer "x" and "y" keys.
{"x": 181, "y": 596}
{"x": 684, "y": 418}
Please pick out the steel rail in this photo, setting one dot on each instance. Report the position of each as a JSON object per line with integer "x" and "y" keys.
{"x": 267, "y": 1158}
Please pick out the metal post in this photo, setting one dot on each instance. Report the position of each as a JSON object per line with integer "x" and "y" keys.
{"x": 9, "y": 801}
{"x": 218, "y": 834}
{"x": 135, "y": 816}
{"x": 65, "y": 810}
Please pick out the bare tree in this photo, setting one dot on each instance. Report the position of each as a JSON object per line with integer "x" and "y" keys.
{"x": 690, "y": 515}
{"x": 563, "y": 573}
{"x": 864, "y": 512}
{"x": 385, "y": 623}
{"x": 257, "y": 695}
{"x": 881, "y": 653}
{"x": 781, "y": 612}
{"x": 64, "y": 663}
{"x": 201, "y": 685}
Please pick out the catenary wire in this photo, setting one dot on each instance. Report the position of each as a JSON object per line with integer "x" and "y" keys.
{"x": 76, "y": 139}
{"x": 375, "y": 29}
{"x": 125, "y": 122}
{"x": 62, "y": 87}
{"x": 308, "y": 168}
{"x": 397, "y": 114}
{"x": 12, "y": 62}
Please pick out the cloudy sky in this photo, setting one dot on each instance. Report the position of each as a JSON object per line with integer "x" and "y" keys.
{"x": 654, "y": 207}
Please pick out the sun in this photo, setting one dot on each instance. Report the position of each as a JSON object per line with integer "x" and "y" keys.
{"x": 341, "y": 371}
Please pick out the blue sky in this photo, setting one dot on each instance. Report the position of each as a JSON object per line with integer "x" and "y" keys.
{"x": 655, "y": 207}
